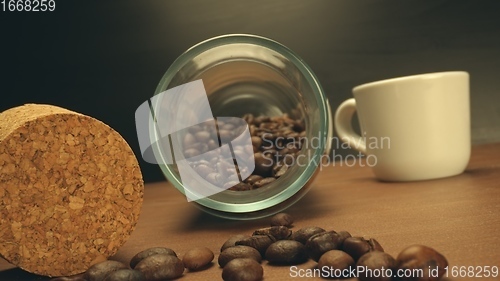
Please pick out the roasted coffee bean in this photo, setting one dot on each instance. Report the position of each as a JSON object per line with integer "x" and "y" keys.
{"x": 224, "y": 168}
{"x": 202, "y": 136}
{"x": 160, "y": 267}
{"x": 242, "y": 270}
{"x": 240, "y": 186}
{"x": 280, "y": 170}
{"x": 231, "y": 242}
{"x": 263, "y": 182}
{"x": 426, "y": 259}
{"x": 320, "y": 243}
{"x": 375, "y": 261}
{"x": 189, "y": 140}
{"x": 99, "y": 271}
{"x": 228, "y": 126}
{"x": 195, "y": 128}
{"x": 238, "y": 251}
{"x": 303, "y": 234}
{"x": 282, "y": 219}
{"x": 278, "y": 232}
{"x": 231, "y": 185}
{"x": 336, "y": 260}
{"x": 125, "y": 275}
{"x": 214, "y": 178}
{"x": 299, "y": 126}
{"x": 260, "y": 119}
{"x": 248, "y": 118}
{"x": 259, "y": 242}
{"x": 197, "y": 258}
{"x": 225, "y": 134}
{"x": 263, "y": 164}
{"x": 344, "y": 235}
{"x": 272, "y": 138}
{"x": 191, "y": 152}
{"x": 149, "y": 252}
{"x": 253, "y": 179}
{"x": 78, "y": 277}
{"x": 289, "y": 159}
{"x": 270, "y": 155}
{"x": 256, "y": 142}
{"x": 212, "y": 144}
{"x": 286, "y": 252}
{"x": 358, "y": 246}
{"x": 203, "y": 170}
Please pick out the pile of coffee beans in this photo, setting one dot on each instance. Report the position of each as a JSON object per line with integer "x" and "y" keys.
{"x": 241, "y": 256}
{"x": 153, "y": 264}
{"x": 276, "y": 142}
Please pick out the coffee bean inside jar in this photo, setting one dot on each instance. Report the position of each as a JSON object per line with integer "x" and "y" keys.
{"x": 275, "y": 144}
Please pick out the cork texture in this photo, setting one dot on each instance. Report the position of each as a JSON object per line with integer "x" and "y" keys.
{"x": 70, "y": 190}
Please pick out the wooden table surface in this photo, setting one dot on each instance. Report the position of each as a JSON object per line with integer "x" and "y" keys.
{"x": 458, "y": 216}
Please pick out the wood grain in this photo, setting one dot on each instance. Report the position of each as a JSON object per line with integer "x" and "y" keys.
{"x": 458, "y": 216}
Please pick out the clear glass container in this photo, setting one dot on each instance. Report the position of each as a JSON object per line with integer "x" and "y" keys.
{"x": 252, "y": 74}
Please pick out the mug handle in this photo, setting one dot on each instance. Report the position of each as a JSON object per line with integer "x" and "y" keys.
{"x": 343, "y": 125}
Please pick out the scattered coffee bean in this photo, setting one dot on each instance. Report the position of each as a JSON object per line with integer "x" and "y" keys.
{"x": 99, "y": 271}
{"x": 282, "y": 219}
{"x": 320, "y": 243}
{"x": 241, "y": 254}
{"x": 238, "y": 251}
{"x": 418, "y": 257}
{"x": 375, "y": 261}
{"x": 125, "y": 275}
{"x": 259, "y": 242}
{"x": 242, "y": 270}
{"x": 197, "y": 258}
{"x": 149, "y": 252}
{"x": 358, "y": 246}
{"x": 278, "y": 232}
{"x": 336, "y": 260}
{"x": 231, "y": 242}
{"x": 344, "y": 235}
{"x": 303, "y": 234}
{"x": 160, "y": 267}
{"x": 286, "y": 252}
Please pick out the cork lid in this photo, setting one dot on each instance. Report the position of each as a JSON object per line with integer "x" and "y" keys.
{"x": 70, "y": 190}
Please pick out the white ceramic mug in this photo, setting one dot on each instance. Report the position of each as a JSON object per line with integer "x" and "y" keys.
{"x": 413, "y": 128}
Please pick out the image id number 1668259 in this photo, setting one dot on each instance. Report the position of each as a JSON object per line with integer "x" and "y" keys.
{"x": 28, "y": 5}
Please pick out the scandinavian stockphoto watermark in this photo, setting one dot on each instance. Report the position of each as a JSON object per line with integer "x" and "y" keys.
{"x": 308, "y": 144}
{"x": 177, "y": 129}
{"x": 357, "y": 271}
{"x": 165, "y": 121}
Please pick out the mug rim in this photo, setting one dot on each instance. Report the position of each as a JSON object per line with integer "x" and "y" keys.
{"x": 406, "y": 78}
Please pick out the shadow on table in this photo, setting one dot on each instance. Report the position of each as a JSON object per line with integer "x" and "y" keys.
{"x": 310, "y": 206}
{"x": 15, "y": 274}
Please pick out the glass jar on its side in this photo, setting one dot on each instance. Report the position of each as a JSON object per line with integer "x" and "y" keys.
{"x": 248, "y": 74}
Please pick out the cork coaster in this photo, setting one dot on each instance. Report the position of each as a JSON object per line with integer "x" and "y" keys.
{"x": 70, "y": 190}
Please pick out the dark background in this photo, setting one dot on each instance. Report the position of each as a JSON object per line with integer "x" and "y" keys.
{"x": 104, "y": 58}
